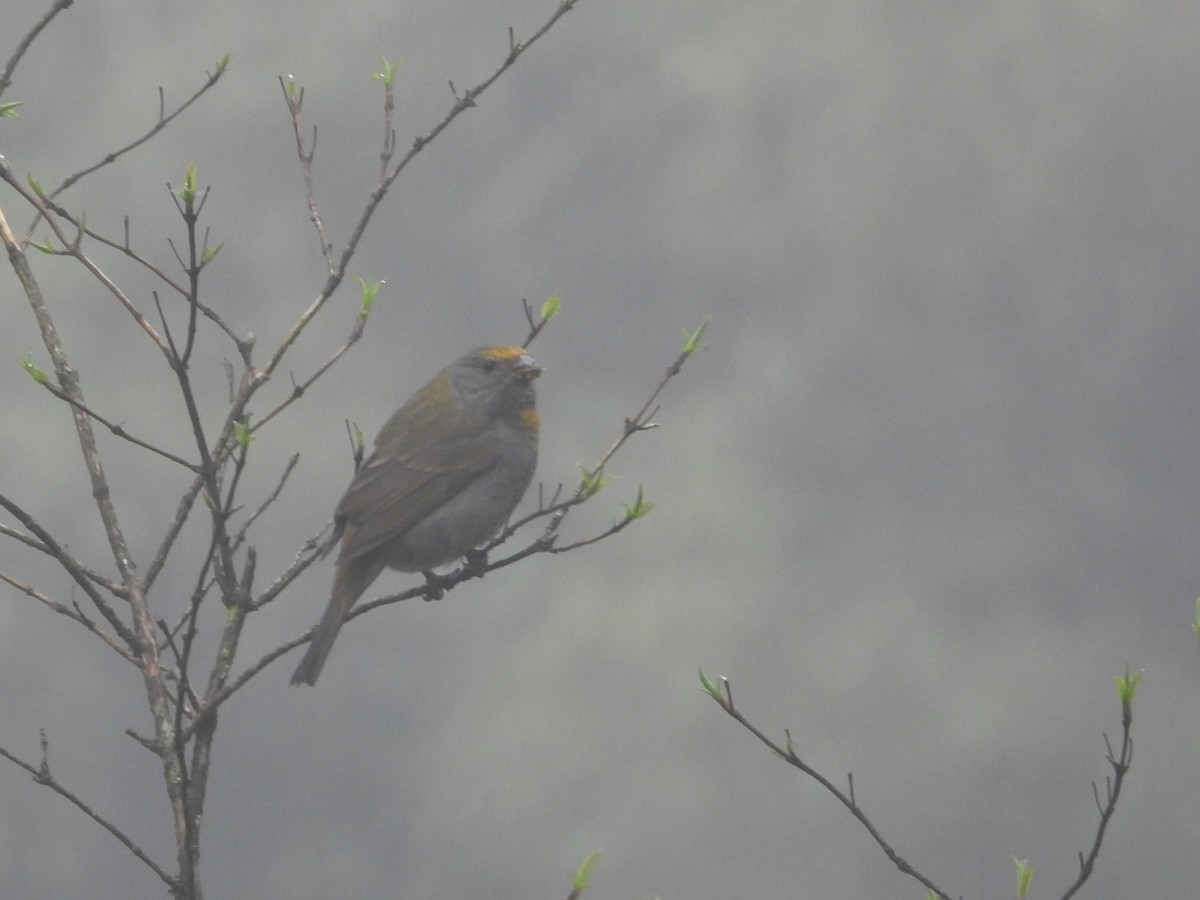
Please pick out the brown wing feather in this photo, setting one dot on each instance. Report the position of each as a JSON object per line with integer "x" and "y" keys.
{"x": 402, "y": 483}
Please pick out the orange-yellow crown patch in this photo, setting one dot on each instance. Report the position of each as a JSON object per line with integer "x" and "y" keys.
{"x": 502, "y": 352}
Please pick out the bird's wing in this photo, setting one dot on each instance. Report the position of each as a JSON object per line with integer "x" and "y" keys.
{"x": 402, "y": 482}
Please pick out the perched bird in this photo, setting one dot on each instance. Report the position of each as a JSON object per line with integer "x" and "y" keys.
{"x": 447, "y": 471}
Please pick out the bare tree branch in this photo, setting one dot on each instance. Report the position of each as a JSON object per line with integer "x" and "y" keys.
{"x": 74, "y": 613}
{"x": 1112, "y": 790}
{"x": 183, "y": 698}
{"x": 72, "y": 567}
{"x": 164, "y": 119}
{"x": 41, "y": 774}
{"x": 119, "y": 430}
{"x": 724, "y": 697}
{"x": 30, "y": 36}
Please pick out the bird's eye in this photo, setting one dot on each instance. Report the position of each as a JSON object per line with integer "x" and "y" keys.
{"x": 489, "y": 365}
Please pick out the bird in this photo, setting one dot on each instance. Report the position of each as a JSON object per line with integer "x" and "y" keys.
{"x": 447, "y": 470}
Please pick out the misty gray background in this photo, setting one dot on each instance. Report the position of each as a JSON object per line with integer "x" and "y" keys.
{"x": 933, "y": 484}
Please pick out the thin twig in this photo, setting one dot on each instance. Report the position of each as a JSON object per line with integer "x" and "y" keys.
{"x": 117, "y": 590}
{"x": 119, "y": 430}
{"x": 73, "y": 612}
{"x": 1120, "y": 765}
{"x": 639, "y": 422}
{"x": 124, "y": 247}
{"x": 240, "y": 536}
{"x": 73, "y": 247}
{"x": 163, "y": 121}
{"x": 536, "y": 323}
{"x": 787, "y": 754}
{"x": 30, "y": 37}
{"x": 298, "y": 390}
{"x": 214, "y": 701}
{"x": 293, "y": 96}
{"x": 72, "y": 567}
{"x": 41, "y": 774}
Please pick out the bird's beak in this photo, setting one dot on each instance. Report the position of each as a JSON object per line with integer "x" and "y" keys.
{"x": 526, "y": 369}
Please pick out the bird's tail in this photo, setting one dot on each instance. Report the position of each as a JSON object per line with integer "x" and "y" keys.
{"x": 352, "y": 579}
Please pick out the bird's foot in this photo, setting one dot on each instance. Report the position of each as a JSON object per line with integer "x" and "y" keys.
{"x": 435, "y": 585}
{"x": 474, "y": 564}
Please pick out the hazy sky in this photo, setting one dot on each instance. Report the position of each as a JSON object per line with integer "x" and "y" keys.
{"x": 932, "y": 485}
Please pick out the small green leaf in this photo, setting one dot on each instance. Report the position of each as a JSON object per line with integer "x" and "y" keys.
{"x": 641, "y": 507}
{"x": 387, "y": 74}
{"x": 1127, "y": 685}
{"x": 289, "y": 85}
{"x": 367, "y": 291}
{"x": 709, "y": 688}
{"x": 1024, "y": 877}
{"x": 9, "y": 110}
{"x": 585, "y": 871}
{"x": 223, "y": 63}
{"x": 187, "y": 193}
{"x": 37, "y": 187}
{"x": 242, "y": 433}
{"x": 593, "y": 482}
{"x": 691, "y": 339}
{"x": 34, "y": 372}
{"x": 210, "y": 253}
{"x": 45, "y": 246}
{"x": 551, "y": 307}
